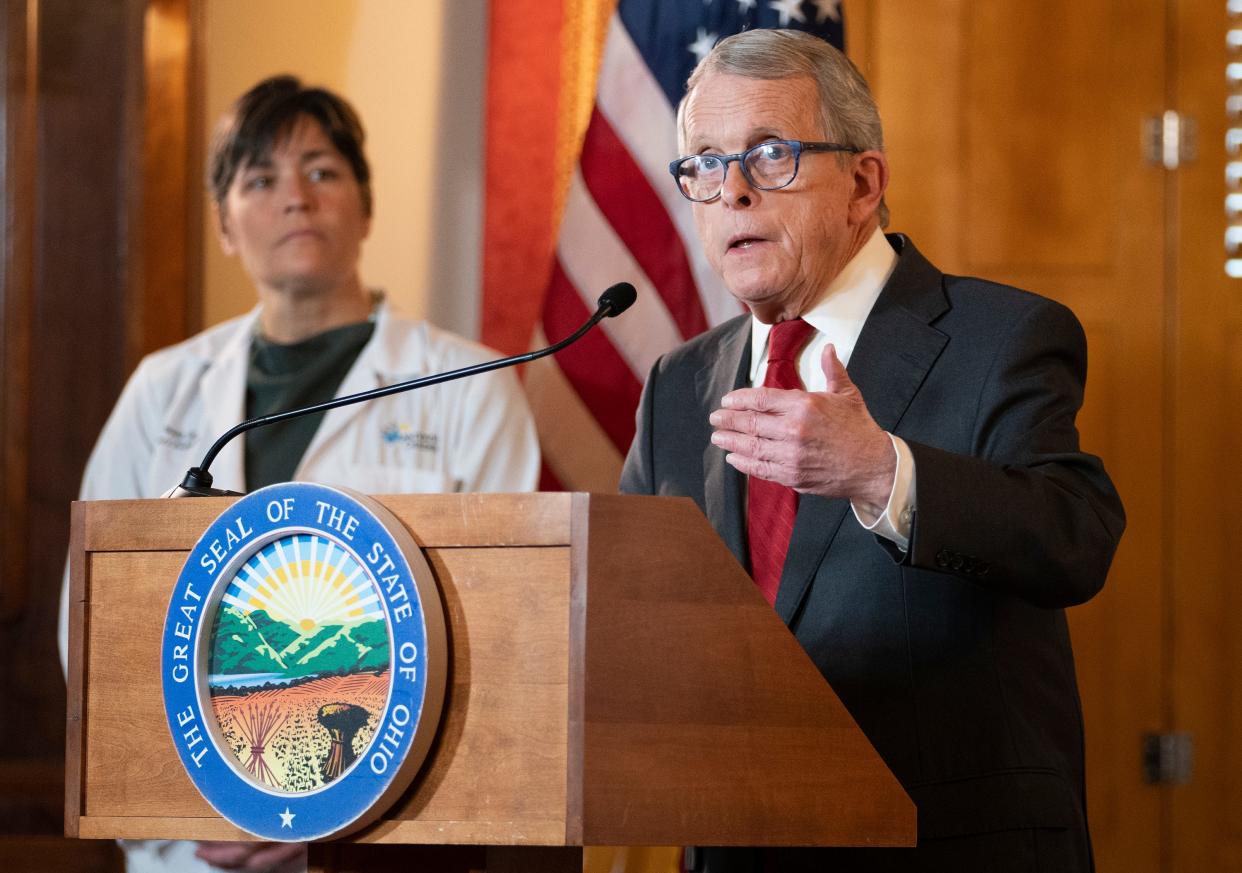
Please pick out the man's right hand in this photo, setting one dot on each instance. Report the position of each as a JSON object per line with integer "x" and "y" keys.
{"x": 823, "y": 443}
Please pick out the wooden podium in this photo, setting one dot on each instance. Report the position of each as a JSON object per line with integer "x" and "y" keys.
{"x": 616, "y": 679}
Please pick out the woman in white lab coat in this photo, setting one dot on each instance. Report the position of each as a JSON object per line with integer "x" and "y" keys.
{"x": 292, "y": 197}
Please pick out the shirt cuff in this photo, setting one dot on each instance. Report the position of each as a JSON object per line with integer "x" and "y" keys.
{"x": 897, "y": 520}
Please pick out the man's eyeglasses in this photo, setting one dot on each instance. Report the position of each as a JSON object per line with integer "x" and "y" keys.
{"x": 767, "y": 166}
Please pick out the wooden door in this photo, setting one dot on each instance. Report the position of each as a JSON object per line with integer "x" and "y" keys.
{"x": 96, "y": 269}
{"x": 1015, "y": 135}
{"x": 1204, "y": 676}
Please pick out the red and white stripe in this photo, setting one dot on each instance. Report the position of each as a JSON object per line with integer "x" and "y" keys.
{"x": 624, "y": 220}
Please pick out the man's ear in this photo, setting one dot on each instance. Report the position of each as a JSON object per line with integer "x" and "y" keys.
{"x": 223, "y": 233}
{"x": 870, "y": 182}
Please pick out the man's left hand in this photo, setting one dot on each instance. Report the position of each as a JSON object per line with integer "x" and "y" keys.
{"x": 823, "y": 443}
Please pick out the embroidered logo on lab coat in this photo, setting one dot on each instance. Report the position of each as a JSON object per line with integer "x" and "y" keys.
{"x": 405, "y": 435}
{"x": 176, "y": 439}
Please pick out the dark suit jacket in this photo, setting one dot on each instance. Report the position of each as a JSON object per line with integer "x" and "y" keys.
{"x": 954, "y": 658}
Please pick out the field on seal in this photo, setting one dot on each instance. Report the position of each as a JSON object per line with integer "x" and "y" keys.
{"x": 275, "y": 733}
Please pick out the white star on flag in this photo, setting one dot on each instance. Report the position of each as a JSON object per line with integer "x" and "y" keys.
{"x": 286, "y": 818}
{"x": 703, "y": 44}
{"x": 745, "y": 6}
{"x": 827, "y": 9}
{"x": 788, "y": 9}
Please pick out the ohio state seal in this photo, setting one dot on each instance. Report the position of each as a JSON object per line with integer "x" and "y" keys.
{"x": 303, "y": 662}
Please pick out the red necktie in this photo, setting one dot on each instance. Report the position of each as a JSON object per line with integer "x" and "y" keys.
{"x": 771, "y": 508}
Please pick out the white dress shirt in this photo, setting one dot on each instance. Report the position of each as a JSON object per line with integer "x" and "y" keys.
{"x": 838, "y": 316}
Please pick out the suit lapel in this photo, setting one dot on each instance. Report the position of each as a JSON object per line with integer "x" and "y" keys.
{"x": 898, "y": 345}
{"x": 724, "y": 489}
{"x": 815, "y": 528}
{"x": 895, "y": 351}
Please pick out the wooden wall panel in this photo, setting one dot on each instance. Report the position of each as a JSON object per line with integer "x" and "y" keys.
{"x": 71, "y": 329}
{"x": 1205, "y": 604}
{"x": 1032, "y": 76}
{"x": 72, "y": 363}
{"x": 17, "y": 115}
{"x": 66, "y": 85}
{"x": 167, "y": 280}
{"x": 918, "y": 194}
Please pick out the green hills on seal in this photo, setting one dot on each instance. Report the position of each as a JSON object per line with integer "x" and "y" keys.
{"x": 258, "y": 643}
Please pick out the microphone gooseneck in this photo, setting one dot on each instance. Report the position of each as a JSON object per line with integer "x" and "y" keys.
{"x": 611, "y": 303}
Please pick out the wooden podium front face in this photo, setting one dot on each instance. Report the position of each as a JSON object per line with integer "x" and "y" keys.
{"x": 615, "y": 679}
{"x": 504, "y": 580}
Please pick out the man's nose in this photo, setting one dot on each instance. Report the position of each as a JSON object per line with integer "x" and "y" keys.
{"x": 736, "y": 190}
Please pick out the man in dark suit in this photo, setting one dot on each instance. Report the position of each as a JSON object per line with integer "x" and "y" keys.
{"x": 920, "y": 520}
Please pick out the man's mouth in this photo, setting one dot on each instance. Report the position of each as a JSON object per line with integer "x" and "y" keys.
{"x": 743, "y": 242}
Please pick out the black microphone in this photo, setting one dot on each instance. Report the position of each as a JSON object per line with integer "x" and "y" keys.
{"x": 197, "y": 481}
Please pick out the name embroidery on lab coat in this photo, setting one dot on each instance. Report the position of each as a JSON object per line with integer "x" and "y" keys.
{"x": 175, "y": 439}
{"x": 407, "y": 436}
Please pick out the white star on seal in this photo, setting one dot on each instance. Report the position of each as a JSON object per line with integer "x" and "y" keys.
{"x": 827, "y": 9}
{"x": 788, "y": 9}
{"x": 703, "y": 44}
{"x": 286, "y": 818}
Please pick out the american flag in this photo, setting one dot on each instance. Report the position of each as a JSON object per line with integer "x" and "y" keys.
{"x": 625, "y": 220}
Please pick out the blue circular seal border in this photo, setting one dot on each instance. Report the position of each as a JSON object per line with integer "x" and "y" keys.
{"x": 414, "y": 617}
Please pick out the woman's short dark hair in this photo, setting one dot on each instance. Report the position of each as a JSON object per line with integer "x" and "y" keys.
{"x": 268, "y": 111}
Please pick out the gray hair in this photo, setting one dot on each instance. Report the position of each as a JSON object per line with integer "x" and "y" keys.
{"x": 847, "y": 110}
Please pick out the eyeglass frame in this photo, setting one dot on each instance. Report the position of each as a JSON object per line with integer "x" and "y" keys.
{"x": 798, "y": 146}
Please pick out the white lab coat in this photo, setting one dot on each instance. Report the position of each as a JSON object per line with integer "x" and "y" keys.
{"x": 474, "y": 434}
